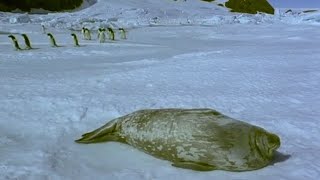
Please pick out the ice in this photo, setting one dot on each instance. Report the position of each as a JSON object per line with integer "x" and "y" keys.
{"x": 261, "y": 69}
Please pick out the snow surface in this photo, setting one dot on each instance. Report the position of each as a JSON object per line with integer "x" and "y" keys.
{"x": 262, "y": 69}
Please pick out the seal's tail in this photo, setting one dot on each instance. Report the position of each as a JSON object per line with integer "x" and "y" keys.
{"x": 102, "y": 134}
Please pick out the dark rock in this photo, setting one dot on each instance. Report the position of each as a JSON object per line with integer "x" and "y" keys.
{"x": 250, "y": 6}
{"x": 27, "y": 5}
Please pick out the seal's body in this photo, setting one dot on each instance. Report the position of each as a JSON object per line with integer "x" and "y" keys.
{"x": 198, "y": 139}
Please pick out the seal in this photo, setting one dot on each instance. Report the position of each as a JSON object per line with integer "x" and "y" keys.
{"x": 197, "y": 139}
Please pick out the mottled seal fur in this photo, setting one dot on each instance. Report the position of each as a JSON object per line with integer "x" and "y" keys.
{"x": 198, "y": 139}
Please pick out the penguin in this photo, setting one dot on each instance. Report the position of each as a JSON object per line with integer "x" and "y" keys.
{"x": 86, "y": 33}
{"x": 122, "y": 33}
{"x": 52, "y": 40}
{"x": 44, "y": 29}
{"x": 26, "y": 41}
{"x": 83, "y": 33}
{"x": 111, "y": 34}
{"x": 99, "y": 30}
{"x": 101, "y": 35}
{"x": 75, "y": 39}
{"x": 15, "y": 42}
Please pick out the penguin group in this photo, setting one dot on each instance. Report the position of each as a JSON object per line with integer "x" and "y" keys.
{"x": 86, "y": 35}
{"x": 16, "y": 43}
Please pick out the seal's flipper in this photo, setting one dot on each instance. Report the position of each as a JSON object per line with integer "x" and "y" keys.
{"x": 98, "y": 139}
{"x": 104, "y": 133}
{"x": 194, "y": 166}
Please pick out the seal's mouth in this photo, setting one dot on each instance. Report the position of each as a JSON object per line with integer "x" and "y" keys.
{"x": 266, "y": 144}
{"x": 273, "y": 143}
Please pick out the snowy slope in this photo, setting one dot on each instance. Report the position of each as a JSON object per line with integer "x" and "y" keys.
{"x": 130, "y": 14}
{"x": 264, "y": 70}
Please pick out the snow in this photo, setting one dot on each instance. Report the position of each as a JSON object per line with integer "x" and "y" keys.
{"x": 261, "y": 69}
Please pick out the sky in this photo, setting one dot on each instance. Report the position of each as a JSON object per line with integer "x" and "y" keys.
{"x": 295, "y": 3}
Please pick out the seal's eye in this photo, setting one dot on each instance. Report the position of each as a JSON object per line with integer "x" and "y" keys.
{"x": 216, "y": 113}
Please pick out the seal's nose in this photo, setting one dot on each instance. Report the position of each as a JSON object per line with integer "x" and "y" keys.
{"x": 273, "y": 141}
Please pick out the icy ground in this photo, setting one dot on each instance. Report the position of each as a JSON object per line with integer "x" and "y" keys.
{"x": 267, "y": 75}
{"x": 262, "y": 69}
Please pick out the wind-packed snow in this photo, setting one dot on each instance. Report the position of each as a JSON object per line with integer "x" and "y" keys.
{"x": 133, "y": 14}
{"x": 261, "y": 69}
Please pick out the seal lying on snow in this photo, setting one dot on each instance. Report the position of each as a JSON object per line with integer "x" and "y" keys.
{"x": 198, "y": 139}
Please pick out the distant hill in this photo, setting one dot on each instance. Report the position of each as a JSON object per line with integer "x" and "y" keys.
{"x": 246, "y": 6}
{"x": 250, "y": 6}
{"x": 242, "y": 6}
{"x": 27, "y": 5}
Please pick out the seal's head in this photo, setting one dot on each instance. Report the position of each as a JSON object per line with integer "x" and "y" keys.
{"x": 266, "y": 143}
